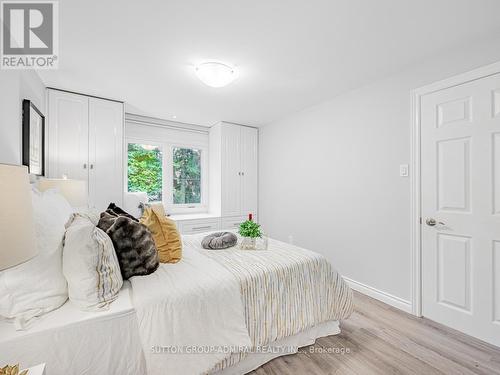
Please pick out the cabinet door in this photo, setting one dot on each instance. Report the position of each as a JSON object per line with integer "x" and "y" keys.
{"x": 105, "y": 153}
{"x": 67, "y": 151}
{"x": 231, "y": 170}
{"x": 249, "y": 162}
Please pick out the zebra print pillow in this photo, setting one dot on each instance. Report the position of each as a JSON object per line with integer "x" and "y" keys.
{"x": 133, "y": 242}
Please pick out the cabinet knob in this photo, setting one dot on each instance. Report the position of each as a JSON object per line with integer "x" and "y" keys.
{"x": 85, "y": 166}
{"x": 91, "y": 166}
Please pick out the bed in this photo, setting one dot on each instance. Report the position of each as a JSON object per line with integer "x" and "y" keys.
{"x": 259, "y": 304}
{"x": 284, "y": 297}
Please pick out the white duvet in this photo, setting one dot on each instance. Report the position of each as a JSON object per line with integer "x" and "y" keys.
{"x": 190, "y": 306}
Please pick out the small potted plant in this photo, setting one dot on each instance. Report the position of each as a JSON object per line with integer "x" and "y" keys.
{"x": 250, "y": 231}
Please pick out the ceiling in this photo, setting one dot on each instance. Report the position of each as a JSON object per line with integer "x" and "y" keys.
{"x": 290, "y": 54}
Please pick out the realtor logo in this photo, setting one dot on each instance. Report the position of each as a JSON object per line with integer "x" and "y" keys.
{"x": 30, "y": 37}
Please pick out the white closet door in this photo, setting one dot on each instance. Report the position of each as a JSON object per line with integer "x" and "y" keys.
{"x": 231, "y": 170}
{"x": 68, "y": 135}
{"x": 105, "y": 153}
{"x": 249, "y": 155}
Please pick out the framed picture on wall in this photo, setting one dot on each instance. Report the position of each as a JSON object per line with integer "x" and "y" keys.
{"x": 33, "y": 139}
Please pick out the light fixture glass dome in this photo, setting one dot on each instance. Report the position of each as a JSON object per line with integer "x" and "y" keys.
{"x": 215, "y": 74}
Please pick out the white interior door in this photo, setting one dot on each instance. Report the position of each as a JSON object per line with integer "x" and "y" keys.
{"x": 460, "y": 147}
{"x": 231, "y": 170}
{"x": 105, "y": 153}
{"x": 68, "y": 135}
{"x": 249, "y": 162}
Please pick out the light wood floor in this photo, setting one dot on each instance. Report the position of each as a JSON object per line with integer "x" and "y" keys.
{"x": 384, "y": 340}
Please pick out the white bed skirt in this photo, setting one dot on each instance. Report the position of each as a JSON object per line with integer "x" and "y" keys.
{"x": 72, "y": 342}
{"x": 304, "y": 338}
{"x": 109, "y": 343}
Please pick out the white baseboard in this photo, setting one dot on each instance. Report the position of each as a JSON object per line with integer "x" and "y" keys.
{"x": 394, "y": 301}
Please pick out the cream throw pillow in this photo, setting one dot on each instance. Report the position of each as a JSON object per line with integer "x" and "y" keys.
{"x": 90, "y": 264}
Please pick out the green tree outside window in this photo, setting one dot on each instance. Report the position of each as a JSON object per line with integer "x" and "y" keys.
{"x": 186, "y": 175}
{"x": 144, "y": 170}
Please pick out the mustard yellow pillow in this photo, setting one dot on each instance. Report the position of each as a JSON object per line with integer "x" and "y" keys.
{"x": 165, "y": 234}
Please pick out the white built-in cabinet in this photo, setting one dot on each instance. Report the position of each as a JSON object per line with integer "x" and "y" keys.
{"x": 234, "y": 151}
{"x": 233, "y": 176}
{"x": 249, "y": 141}
{"x": 239, "y": 170}
{"x": 85, "y": 142}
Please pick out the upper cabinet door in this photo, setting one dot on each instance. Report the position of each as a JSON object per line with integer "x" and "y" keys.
{"x": 249, "y": 162}
{"x": 231, "y": 169}
{"x": 68, "y": 135}
{"x": 105, "y": 153}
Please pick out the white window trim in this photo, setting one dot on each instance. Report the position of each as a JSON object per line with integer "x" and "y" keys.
{"x": 167, "y": 174}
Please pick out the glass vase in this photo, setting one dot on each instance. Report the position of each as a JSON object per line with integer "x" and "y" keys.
{"x": 248, "y": 243}
{"x": 254, "y": 243}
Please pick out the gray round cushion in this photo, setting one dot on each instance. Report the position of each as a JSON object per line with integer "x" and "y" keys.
{"x": 219, "y": 240}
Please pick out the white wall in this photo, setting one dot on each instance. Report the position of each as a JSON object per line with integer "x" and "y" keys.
{"x": 16, "y": 85}
{"x": 329, "y": 175}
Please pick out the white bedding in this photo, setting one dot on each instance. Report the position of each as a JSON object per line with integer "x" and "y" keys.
{"x": 285, "y": 290}
{"x": 221, "y": 298}
{"x": 195, "y": 302}
{"x": 74, "y": 342}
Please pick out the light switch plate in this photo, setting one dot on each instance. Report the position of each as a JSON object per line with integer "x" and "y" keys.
{"x": 403, "y": 170}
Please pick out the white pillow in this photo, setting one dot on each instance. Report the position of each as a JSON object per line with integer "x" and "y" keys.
{"x": 93, "y": 214}
{"x": 90, "y": 264}
{"x": 38, "y": 285}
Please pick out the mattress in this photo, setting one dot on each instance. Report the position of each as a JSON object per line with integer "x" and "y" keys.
{"x": 71, "y": 341}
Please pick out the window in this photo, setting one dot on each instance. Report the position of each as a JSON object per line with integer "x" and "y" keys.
{"x": 144, "y": 170}
{"x": 175, "y": 174}
{"x": 186, "y": 168}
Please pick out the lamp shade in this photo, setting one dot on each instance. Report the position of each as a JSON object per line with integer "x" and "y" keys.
{"x": 75, "y": 191}
{"x": 17, "y": 232}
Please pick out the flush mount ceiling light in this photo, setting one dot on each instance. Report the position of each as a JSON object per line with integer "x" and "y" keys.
{"x": 215, "y": 74}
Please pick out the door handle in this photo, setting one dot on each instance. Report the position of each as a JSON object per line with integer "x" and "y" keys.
{"x": 432, "y": 222}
